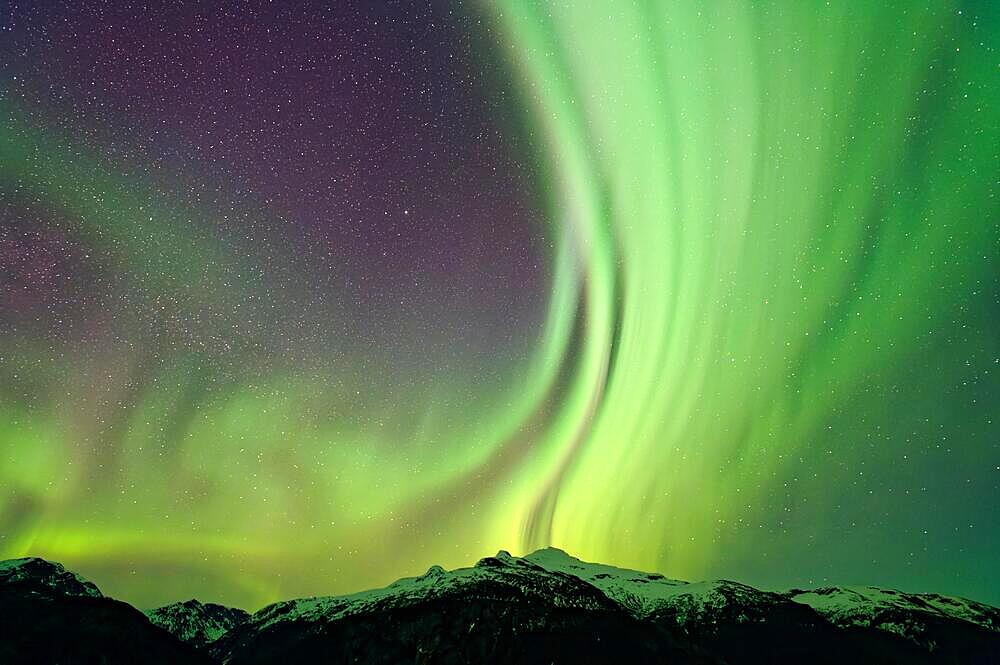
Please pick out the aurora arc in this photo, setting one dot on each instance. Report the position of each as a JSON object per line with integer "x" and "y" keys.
{"x": 775, "y": 239}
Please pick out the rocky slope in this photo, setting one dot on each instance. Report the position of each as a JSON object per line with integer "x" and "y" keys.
{"x": 936, "y": 623}
{"x": 546, "y": 607}
{"x": 43, "y": 576}
{"x": 743, "y": 624}
{"x": 504, "y": 609}
{"x": 197, "y": 623}
{"x": 50, "y": 615}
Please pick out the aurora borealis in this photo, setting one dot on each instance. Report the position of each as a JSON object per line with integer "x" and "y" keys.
{"x": 298, "y": 300}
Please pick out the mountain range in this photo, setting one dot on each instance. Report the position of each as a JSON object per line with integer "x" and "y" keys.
{"x": 546, "y": 607}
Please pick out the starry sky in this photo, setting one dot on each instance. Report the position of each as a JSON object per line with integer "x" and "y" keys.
{"x": 300, "y": 298}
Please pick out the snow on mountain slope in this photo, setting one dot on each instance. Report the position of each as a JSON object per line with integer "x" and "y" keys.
{"x": 197, "y": 623}
{"x": 545, "y": 607}
{"x": 906, "y": 614}
{"x": 647, "y": 593}
{"x": 639, "y": 592}
{"x": 503, "y": 609}
{"x": 52, "y": 615}
{"x": 35, "y": 572}
{"x": 676, "y": 601}
{"x": 561, "y": 590}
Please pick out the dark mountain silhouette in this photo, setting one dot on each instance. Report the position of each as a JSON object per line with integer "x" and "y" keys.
{"x": 50, "y": 615}
{"x": 546, "y": 607}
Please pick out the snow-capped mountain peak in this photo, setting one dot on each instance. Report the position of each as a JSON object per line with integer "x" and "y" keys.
{"x": 195, "y": 622}
{"x": 911, "y": 615}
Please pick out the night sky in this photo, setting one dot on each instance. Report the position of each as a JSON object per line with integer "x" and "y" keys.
{"x": 300, "y": 298}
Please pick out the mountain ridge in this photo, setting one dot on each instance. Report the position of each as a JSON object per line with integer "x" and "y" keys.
{"x": 547, "y": 606}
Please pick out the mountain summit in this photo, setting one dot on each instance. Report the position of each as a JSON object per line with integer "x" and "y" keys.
{"x": 197, "y": 623}
{"x": 546, "y": 607}
{"x": 36, "y": 574}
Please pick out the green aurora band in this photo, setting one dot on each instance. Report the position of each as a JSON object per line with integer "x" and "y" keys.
{"x": 769, "y": 351}
{"x": 775, "y": 211}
